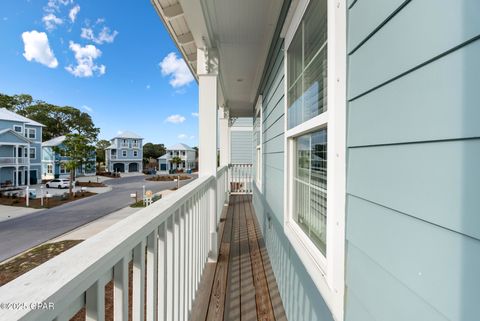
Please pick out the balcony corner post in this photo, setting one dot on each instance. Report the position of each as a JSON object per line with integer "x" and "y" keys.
{"x": 207, "y": 70}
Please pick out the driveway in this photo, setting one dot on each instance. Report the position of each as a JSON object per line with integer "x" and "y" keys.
{"x": 23, "y": 233}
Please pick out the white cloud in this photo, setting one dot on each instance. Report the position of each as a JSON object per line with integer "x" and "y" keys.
{"x": 185, "y": 137}
{"x": 195, "y": 114}
{"x": 38, "y": 49}
{"x": 177, "y": 69}
{"x": 85, "y": 57}
{"x": 73, "y": 13}
{"x": 89, "y": 109}
{"x": 175, "y": 119}
{"x": 54, "y": 5}
{"x": 51, "y": 21}
{"x": 104, "y": 36}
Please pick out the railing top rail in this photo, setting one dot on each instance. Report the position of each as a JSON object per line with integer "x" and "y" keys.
{"x": 221, "y": 170}
{"x": 65, "y": 277}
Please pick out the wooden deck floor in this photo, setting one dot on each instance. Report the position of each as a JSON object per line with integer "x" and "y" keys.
{"x": 241, "y": 285}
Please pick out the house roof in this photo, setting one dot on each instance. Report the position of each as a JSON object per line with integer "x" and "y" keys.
{"x": 9, "y": 130}
{"x": 180, "y": 146}
{"x": 54, "y": 141}
{"x": 111, "y": 147}
{"x": 128, "y": 134}
{"x": 165, "y": 156}
{"x": 6, "y": 114}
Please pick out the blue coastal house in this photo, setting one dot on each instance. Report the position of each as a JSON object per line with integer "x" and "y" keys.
{"x": 54, "y": 163}
{"x": 20, "y": 150}
{"x": 125, "y": 154}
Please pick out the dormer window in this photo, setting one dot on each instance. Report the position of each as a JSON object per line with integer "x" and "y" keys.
{"x": 18, "y": 128}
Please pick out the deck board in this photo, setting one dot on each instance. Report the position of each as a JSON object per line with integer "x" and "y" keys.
{"x": 243, "y": 286}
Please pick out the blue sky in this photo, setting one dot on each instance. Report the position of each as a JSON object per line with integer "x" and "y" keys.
{"x": 113, "y": 59}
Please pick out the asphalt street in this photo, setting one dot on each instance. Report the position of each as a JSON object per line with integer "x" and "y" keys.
{"x": 23, "y": 233}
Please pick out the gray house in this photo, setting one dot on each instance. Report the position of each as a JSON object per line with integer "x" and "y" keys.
{"x": 20, "y": 149}
{"x": 125, "y": 154}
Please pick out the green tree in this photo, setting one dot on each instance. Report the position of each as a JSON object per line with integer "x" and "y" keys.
{"x": 153, "y": 150}
{"x": 15, "y": 103}
{"x": 79, "y": 150}
{"x": 61, "y": 121}
{"x": 176, "y": 160}
{"x": 101, "y": 146}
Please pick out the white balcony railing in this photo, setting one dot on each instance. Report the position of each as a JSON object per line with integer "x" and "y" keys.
{"x": 241, "y": 178}
{"x": 167, "y": 244}
{"x": 14, "y": 160}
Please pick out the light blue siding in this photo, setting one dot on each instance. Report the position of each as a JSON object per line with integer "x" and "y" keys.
{"x": 413, "y": 229}
{"x": 241, "y": 148}
{"x": 300, "y": 297}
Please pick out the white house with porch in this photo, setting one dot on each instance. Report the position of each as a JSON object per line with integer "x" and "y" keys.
{"x": 182, "y": 151}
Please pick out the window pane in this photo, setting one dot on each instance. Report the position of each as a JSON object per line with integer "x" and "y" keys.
{"x": 307, "y": 66}
{"x": 310, "y": 184}
{"x": 315, "y": 28}
{"x": 294, "y": 58}
{"x": 315, "y": 86}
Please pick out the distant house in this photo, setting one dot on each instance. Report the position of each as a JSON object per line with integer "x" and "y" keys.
{"x": 186, "y": 154}
{"x": 20, "y": 149}
{"x": 125, "y": 154}
{"x": 54, "y": 163}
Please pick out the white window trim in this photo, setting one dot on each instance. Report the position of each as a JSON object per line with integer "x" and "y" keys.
{"x": 34, "y": 153}
{"x": 124, "y": 153}
{"x": 49, "y": 169}
{"x": 18, "y": 126}
{"x": 29, "y": 130}
{"x": 135, "y": 153}
{"x": 259, "y": 149}
{"x": 328, "y": 273}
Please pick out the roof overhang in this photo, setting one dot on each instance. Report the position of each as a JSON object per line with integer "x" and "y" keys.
{"x": 241, "y": 32}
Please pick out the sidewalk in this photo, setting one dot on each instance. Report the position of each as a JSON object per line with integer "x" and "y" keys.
{"x": 10, "y": 212}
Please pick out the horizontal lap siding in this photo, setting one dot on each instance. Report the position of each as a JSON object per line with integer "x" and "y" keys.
{"x": 413, "y": 229}
{"x": 241, "y": 146}
{"x": 300, "y": 297}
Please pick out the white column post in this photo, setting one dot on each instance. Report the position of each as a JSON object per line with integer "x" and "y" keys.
{"x": 224, "y": 137}
{"x": 207, "y": 70}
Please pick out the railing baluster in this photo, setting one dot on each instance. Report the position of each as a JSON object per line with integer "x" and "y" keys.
{"x": 162, "y": 272}
{"x": 152, "y": 269}
{"x": 176, "y": 270}
{"x": 170, "y": 267}
{"x": 138, "y": 287}
{"x": 95, "y": 302}
{"x": 182, "y": 263}
{"x": 189, "y": 258}
{"x": 120, "y": 290}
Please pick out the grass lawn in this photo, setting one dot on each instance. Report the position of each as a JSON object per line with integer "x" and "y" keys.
{"x": 36, "y": 203}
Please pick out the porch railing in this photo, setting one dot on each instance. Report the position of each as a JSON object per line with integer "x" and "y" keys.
{"x": 14, "y": 160}
{"x": 240, "y": 178}
{"x": 222, "y": 190}
{"x": 167, "y": 245}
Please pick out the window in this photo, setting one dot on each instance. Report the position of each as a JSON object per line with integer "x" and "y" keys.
{"x": 315, "y": 131}
{"x": 62, "y": 169}
{"x": 135, "y": 153}
{"x": 17, "y": 128}
{"x": 33, "y": 153}
{"x": 124, "y": 153}
{"x": 49, "y": 169}
{"x": 30, "y": 133}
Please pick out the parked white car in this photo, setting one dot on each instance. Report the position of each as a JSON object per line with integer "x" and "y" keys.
{"x": 58, "y": 183}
